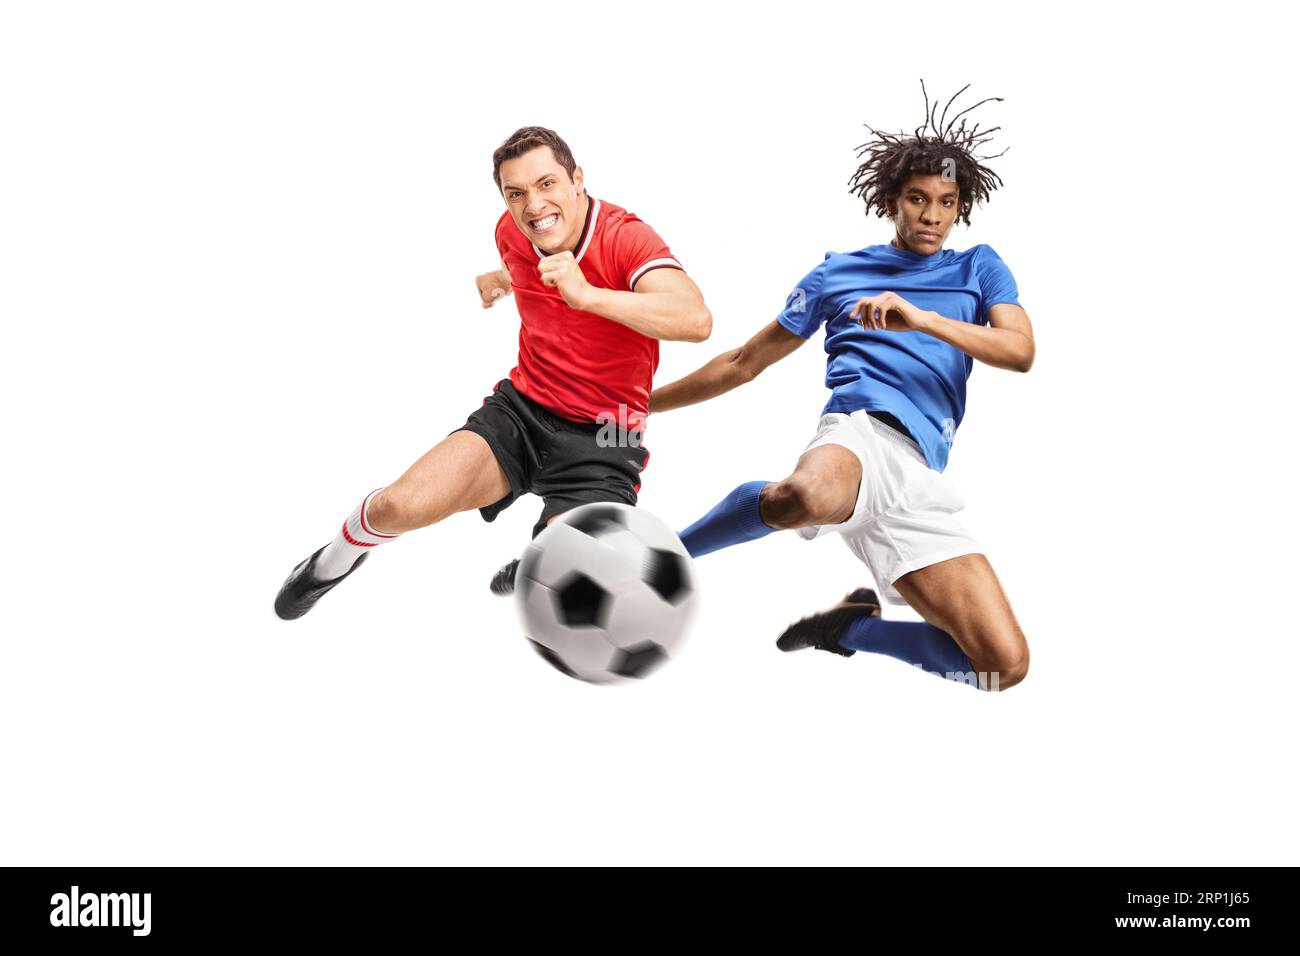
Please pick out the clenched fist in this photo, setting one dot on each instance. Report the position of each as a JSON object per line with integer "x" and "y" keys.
{"x": 493, "y": 286}
{"x": 561, "y": 271}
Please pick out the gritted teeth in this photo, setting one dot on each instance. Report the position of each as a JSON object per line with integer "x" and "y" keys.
{"x": 546, "y": 222}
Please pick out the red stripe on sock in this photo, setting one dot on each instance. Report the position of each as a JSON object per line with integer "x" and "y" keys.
{"x": 354, "y": 541}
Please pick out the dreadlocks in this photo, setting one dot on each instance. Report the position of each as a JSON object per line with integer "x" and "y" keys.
{"x": 932, "y": 148}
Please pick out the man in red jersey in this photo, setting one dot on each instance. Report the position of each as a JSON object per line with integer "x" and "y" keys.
{"x": 596, "y": 290}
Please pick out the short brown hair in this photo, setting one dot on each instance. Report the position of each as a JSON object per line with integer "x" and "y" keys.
{"x": 529, "y": 138}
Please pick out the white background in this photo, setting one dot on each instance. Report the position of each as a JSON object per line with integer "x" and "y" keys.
{"x": 237, "y": 250}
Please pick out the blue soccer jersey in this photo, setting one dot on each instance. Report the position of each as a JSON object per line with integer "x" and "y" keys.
{"x": 915, "y": 377}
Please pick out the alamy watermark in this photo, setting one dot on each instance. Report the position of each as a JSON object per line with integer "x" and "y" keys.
{"x": 623, "y": 430}
{"x": 102, "y": 909}
{"x": 988, "y": 680}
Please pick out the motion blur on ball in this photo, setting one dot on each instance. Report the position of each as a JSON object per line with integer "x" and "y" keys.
{"x": 606, "y": 593}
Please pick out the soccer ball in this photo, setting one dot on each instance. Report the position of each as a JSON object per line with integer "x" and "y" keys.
{"x": 605, "y": 593}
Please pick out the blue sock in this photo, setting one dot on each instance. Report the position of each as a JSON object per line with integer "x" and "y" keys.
{"x": 912, "y": 641}
{"x": 734, "y": 520}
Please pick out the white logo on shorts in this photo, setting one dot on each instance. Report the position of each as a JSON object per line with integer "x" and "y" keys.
{"x": 949, "y": 430}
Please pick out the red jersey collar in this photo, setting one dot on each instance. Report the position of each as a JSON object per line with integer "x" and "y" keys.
{"x": 588, "y": 227}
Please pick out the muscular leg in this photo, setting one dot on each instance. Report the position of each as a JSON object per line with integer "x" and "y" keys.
{"x": 822, "y": 490}
{"x": 457, "y": 474}
{"x": 963, "y": 597}
{"x": 460, "y": 473}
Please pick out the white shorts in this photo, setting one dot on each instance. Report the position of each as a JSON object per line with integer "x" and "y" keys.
{"x": 903, "y": 519}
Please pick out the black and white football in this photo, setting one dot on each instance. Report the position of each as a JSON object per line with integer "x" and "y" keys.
{"x": 606, "y": 593}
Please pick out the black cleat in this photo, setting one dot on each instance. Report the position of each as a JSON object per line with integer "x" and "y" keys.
{"x": 824, "y": 629}
{"x": 301, "y": 590}
{"x": 503, "y": 582}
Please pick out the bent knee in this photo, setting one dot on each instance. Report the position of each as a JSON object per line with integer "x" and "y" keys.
{"x": 798, "y": 503}
{"x": 384, "y": 511}
{"x": 1001, "y": 655}
{"x": 396, "y": 509}
{"x": 1008, "y": 668}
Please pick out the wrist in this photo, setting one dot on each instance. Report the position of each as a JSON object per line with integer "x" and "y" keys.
{"x": 930, "y": 321}
{"x": 588, "y": 299}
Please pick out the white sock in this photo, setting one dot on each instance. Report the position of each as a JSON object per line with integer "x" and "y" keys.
{"x": 354, "y": 539}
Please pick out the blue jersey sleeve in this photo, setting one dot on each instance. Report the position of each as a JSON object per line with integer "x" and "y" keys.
{"x": 997, "y": 284}
{"x": 803, "y": 309}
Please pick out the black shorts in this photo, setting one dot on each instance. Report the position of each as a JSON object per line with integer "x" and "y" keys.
{"x": 566, "y": 463}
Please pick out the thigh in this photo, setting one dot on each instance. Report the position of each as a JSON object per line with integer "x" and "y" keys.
{"x": 964, "y": 598}
{"x": 459, "y": 473}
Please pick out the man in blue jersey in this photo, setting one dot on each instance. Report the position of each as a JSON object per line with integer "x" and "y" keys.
{"x": 904, "y": 323}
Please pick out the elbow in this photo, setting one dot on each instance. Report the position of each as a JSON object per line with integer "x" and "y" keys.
{"x": 1029, "y": 352}
{"x": 701, "y": 326}
{"x": 743, "y": 368}
{"x": 1025, "y": 359}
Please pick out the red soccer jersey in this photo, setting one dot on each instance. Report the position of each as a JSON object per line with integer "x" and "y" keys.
{"x": 578, "y": 364}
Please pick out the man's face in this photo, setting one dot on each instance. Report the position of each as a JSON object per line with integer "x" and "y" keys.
{"x": 544, "y": 202}
{"x": 925, "y": 211}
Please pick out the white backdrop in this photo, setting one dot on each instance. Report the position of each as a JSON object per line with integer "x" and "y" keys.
{"x": 237, "y": 250}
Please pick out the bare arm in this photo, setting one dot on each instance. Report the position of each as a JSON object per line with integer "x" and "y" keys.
{"x": 772, "y": 343}
{"x": 666, "y": 304}
{"x": 1006, "y": 342}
